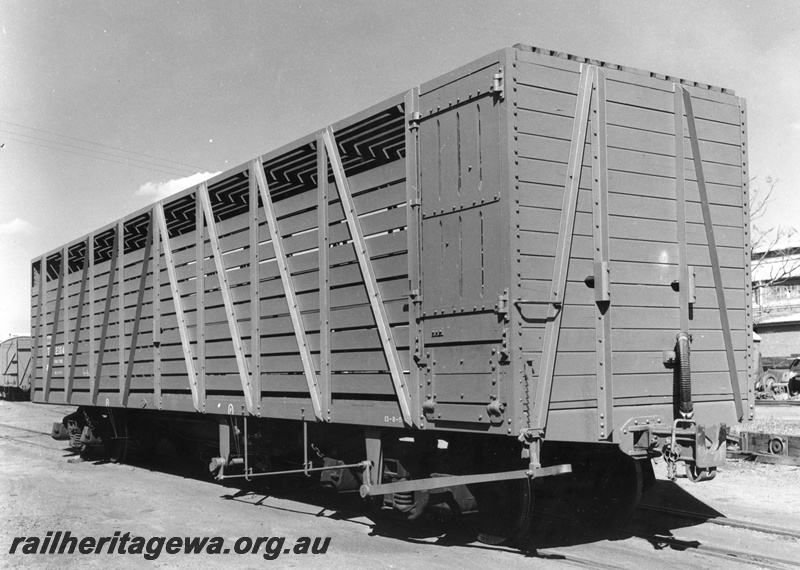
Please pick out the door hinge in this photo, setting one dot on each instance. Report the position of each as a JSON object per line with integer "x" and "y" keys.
{"x": 501, "y": 308}
{"x": 413, "y": 120}
{"x": 498, "y": 84}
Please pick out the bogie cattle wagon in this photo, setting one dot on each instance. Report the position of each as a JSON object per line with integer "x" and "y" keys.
{"x": 15, "y": 357}
{"x": 531, "y": 269}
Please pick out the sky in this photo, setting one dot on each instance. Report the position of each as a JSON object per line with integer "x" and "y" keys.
{"x": 106, "y": 107}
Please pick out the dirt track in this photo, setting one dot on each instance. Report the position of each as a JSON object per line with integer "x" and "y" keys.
{"x": 41, "y": 491}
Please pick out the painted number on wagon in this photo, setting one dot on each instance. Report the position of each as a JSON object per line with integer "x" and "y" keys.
{"x": 392, "y": 419}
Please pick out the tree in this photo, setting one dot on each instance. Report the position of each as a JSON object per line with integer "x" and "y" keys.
{"x": 774, "y": 251}
{"x": 770, "y": 245}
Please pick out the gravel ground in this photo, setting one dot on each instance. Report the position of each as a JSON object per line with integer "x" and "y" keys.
{"x": 41, "y": 491}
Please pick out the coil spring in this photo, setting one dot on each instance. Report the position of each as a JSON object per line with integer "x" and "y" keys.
{"x": 403, "y": 500}
{"x": 75, "y": 433}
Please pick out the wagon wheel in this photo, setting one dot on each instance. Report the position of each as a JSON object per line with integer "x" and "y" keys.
{"x": 506, "y": 509}
{"x": 116, "y": 438}
{"x": 602, "y": 491}
{"x": 768, "y": 385}
{"x": 617, "y": 490}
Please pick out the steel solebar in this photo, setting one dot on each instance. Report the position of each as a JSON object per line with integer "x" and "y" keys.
{"x": 442, "y": 482}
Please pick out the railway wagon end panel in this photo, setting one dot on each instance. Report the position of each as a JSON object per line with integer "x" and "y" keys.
{"x": 620, "y": 250}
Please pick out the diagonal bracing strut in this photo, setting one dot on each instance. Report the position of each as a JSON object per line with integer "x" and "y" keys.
{"x": 399, "y": 380}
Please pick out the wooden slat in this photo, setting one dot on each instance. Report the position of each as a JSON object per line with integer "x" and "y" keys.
{"x": 289, "y": 291}
{"x": 48, "y": 377}
{"x": 323, "y": 243}
{"x": 200, "y": 278}
{"x": 233, "y": 327}
{"x": 38, "y": 342}
{"x": 184, "y": 334}
{"x": 712, "y": 249}
{"x": 156, "y": 291}
{"x": 254, "y": 307}
{"x": 120, "y": 298}
{"x": 379, "y": 312}
{"x": 77, "y": 346}
{"x": 125, "y": 382}
{"x": 540, "y": 405}
{"x": 104, "y": 330}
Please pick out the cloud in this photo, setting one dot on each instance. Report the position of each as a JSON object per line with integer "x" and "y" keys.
{"x": 16, "y": 226}
{"x": 160, "y": 190}
{"x": 796, "y": 126}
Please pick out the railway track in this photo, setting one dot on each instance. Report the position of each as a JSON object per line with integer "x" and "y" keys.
{"x": 24, "y": 439}
{"x": 718, "y": 552}
{"x": 711, "y": 550}
{"x": 33, "y": 431}
{"x": 724, "y": 521}
{"x": 591, "y": 554}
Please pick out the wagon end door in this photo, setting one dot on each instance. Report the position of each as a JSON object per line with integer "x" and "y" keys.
{"x": 463, "y": 345}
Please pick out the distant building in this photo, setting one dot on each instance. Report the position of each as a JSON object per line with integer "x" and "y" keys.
{"x": 776, "y": 301}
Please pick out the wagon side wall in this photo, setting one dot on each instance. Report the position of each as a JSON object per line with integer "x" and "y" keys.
{"x": 107, "y": 332}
